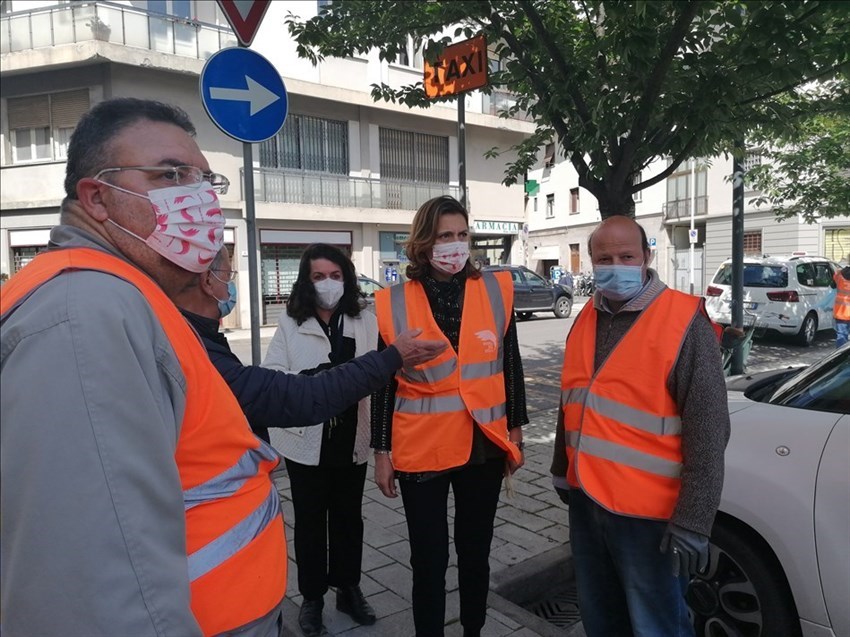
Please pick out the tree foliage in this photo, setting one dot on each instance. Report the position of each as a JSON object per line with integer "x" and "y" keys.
{"x": 618, "y": 84}
{"x": 807, "y": 173}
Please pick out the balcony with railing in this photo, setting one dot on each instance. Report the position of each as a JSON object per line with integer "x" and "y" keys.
{"x": 115, "y": 23}
{"x": 280, "y": 186}
{"x": 681, "y": 209}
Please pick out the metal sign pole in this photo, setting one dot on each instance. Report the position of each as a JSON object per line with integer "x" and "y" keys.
{"x": 461, "y": 148}
{"x": 693, "y": 213}
{"x": 738, "y": 255}
{"x": 251, "y": 228}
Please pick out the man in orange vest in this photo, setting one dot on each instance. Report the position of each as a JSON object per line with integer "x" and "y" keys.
{"x": 136, "y": 499}
{"x": 841, "y": 309}
{"x": 641, "y": 435}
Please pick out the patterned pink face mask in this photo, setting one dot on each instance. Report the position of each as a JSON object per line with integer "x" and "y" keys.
{"x": 189, "y": 228}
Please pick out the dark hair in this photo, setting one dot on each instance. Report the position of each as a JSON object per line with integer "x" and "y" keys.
{"x": 644, "y": 242}
{"x": 89, "y": 151}
{"x": 423, "y": 236}
{"x": 302, "y": 300}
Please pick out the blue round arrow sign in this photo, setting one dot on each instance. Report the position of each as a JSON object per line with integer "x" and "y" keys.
{"x": 244, "y": 95}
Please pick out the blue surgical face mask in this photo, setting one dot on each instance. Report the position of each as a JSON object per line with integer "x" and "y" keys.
{"x": 226, "y": 306}
{"x": 618, "y": 282}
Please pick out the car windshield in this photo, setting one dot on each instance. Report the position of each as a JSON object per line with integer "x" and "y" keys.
{"x": 755, "y": 275}
{"x": 824, "y": 386}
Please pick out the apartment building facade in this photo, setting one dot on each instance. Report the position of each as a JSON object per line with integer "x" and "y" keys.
{"x": 561, "y": 216}
{"x": 343, "y": 169}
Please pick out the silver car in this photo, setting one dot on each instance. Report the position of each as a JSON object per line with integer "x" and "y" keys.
{"x": 780, "y": 548}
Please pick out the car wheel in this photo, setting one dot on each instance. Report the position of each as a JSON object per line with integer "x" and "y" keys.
{"x": 563, "y": 306}
{"x": 523, "y": 316}
{"x": 742, "y": 592}
{"x": 808, "y": 330}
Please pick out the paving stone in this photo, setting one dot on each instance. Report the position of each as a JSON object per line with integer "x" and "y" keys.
{"x": 381, "y": 514}
{"x": 377, "y": 536}
{"x": 524, "y": 519}
{"x": 527, "y": 488}
{"x": 533, "y": 542}
{"x": 398, "y": 552}
{"x": 396, "y": 578}
{"x": 374, "y": 558}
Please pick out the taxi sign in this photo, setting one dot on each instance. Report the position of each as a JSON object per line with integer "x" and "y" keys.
{"x": 461, "y": 67}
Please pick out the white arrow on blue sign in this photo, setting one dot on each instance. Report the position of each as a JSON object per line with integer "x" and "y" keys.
{"x": 244, "y": 95}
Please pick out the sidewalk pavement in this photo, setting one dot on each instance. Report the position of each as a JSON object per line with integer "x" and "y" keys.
{"x": 530, "y": 553}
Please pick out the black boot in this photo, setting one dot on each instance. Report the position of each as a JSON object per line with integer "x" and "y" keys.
{"x": 350, "y": 600}
{"x": 310, "y": 617}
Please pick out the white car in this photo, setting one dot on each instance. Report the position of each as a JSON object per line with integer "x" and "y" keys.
{"x": 786, "y": 294}
{"x": 780, "y": 547}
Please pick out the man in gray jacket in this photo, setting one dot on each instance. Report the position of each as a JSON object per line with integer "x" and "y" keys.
{"x": 644, "y": 421}
{"x": 93, "y": 398}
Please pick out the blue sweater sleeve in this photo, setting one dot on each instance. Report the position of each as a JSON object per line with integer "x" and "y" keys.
{"x": 272, "y": 398}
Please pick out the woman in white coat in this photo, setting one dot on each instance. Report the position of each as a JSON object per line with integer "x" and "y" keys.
{"x": 324, "y": 326}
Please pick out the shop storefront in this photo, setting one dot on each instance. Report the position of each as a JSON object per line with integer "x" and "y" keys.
{"x": 492, "y": 241}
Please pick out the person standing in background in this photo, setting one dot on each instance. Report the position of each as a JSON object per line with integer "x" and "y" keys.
{"x": 324, "y": 326}
{"x": 455, "y": 422}
{"x": 841, "y": 307}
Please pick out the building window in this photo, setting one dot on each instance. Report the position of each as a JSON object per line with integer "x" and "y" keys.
{"x": 179, "y": 8}
{"x": 323, "y": 6}
{"x": 21, "y": 255}
{"x": 679, "y": 191}
{"x": 40, "y": 126}
{"x": 550, "y": 206}
{"x": 752, "y": 243}
{"x": 549, "y": 155}
{"x": 751, "y": 160}
{"x": 636, "y": 179}
{"x": 535, "y": 204}
{"x": 409, "y": 156}
{"x": 411, "y": 54}
{"x": 574, "y": 204}
{"x": 308, "y": 143}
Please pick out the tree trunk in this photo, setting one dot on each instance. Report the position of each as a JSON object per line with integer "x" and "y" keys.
{"x": 613, "y": 203}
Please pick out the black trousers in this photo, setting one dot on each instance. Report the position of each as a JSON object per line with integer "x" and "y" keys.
{"x": 328, "y": 525}
{"x": 476, "y": 492}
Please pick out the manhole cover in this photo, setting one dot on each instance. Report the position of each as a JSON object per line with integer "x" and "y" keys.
{"x": 560, "y": 608}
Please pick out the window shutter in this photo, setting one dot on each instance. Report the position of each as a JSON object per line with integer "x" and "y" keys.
{"x": 29, "y": 112}
{"x": 68, "y": 107}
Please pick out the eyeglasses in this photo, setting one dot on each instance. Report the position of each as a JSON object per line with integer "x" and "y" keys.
{"x": 227, "y": 275}
{"x": 179, "y": 176}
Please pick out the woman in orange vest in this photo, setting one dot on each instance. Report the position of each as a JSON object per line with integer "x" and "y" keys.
{"x": 841, "y": 309}
{"x": 455, "y": 421}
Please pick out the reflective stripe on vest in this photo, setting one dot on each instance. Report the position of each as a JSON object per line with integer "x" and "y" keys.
{"x": 658, "y": 425}
{"x": 460, "y": 393}
{"x": 623, "y": 429}
{"x": 236, "y": 548}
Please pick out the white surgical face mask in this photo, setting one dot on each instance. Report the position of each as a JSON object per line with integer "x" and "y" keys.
{"x": 450, "y": 258}
{"x": 328, "y": 293}
{"x": 189, "y": 229}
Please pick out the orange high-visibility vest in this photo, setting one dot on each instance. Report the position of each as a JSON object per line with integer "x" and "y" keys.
{"x": 437, "y": 403}
{"x": 622, "y": 426}
{"x": 234, "y": 530}
{"x": 841, "y": 308}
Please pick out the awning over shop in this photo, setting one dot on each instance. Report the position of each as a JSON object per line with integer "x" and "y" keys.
{"x": 546, "y": 253}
